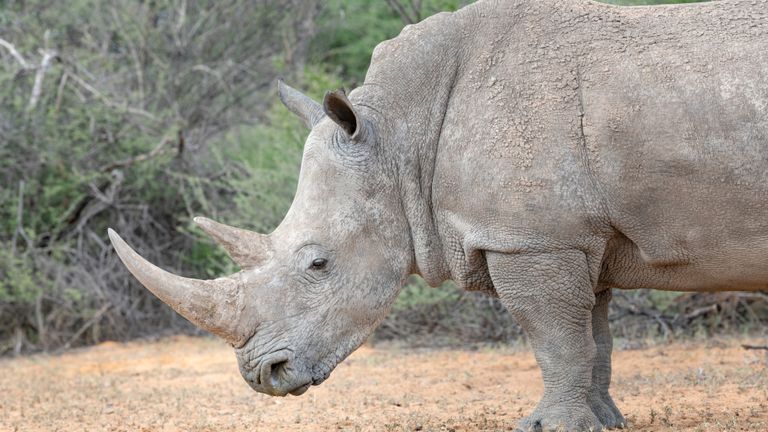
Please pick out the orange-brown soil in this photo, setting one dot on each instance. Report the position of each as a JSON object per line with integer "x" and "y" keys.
{"x": 193, "y": 384}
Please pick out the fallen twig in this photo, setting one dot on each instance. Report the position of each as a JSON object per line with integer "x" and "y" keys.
{"x": 754, "y": 347}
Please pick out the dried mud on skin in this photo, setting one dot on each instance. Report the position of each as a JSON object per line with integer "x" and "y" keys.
{"x": 193, "y": 384}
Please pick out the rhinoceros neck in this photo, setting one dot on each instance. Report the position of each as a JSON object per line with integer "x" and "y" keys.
{"x": 409, "y": 84}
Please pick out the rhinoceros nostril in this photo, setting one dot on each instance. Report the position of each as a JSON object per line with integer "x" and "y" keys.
{"x": 278, "y": 370}
{"x": 273, "y": 372}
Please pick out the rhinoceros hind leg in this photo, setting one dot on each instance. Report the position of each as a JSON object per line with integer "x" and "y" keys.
{"x": 599, "y": 398}
{"x": 551, "y": 296}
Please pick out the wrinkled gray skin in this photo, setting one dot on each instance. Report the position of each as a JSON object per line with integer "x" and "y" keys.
{"x": 542, "y": 151}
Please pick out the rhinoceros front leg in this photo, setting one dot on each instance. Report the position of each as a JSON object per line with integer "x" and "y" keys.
{"x": 599, "y": 399}
{"x": 551, "y": 296}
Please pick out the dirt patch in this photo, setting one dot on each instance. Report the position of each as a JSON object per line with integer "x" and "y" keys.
{"x": 193, "y": 384}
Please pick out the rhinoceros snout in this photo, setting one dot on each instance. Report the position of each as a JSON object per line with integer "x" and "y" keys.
{"x": 277, "y": 376}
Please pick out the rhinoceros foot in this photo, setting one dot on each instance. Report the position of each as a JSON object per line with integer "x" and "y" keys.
{"x": 606, "y": 411}
{"x": 560, "y": 419}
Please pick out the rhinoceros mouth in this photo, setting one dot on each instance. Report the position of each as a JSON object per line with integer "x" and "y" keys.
{"x": 321, "y": 376}
{"x": 298, "y": 391}
{"x": 318, "y": 381}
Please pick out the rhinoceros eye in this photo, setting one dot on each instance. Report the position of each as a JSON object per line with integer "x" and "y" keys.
{"x": 319, "y": 263}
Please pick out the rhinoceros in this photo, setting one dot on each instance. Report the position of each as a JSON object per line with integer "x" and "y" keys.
{"x": 542, "y": 151}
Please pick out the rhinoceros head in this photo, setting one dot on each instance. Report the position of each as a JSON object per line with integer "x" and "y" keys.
{"x": 310, "y": 292}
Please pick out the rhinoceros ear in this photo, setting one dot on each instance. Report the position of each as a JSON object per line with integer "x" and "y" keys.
{"x": 339, "y": 109}
{"x": 300, "y": 104}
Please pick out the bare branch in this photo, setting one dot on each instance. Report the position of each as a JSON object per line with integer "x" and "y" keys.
{"x": 134, "y": 53}
{"x": 19, "y": 218}
{"x": 60, "y": 91}
{"x": 14, "y": 53}
{"x": 180, "y": 23}
{"x": 404, "y": 15}
{"x": 37, "y": 88}
{"x": 158, "y": 150}
{"x": 698, "y": 312}
{"x": 40, "y": 322}
{"x": 107, "y": 101}
{"x": 85, "y": 326}
{"x": 416, "y": 7}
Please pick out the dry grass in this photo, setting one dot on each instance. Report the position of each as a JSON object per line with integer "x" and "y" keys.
{"x": 193, "y": 384}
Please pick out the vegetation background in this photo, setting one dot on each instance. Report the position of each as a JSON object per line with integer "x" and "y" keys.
{"x": 139, "y": 115}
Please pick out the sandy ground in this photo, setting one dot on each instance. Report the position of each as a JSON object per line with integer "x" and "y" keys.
{"x": 193, "y": 384}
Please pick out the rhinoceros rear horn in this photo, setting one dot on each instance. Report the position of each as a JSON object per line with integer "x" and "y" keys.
{"x": 247, "y": 248}
{"x": 298, "y": 103}
{"x": 214, "y": 305}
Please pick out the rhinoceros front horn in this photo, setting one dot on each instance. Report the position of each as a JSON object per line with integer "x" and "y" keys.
{"x": 213, "y": 305}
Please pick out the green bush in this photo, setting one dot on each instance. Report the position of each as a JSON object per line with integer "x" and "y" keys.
{"x": 119, "y": 134}
{"x": 21, "y": 283}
